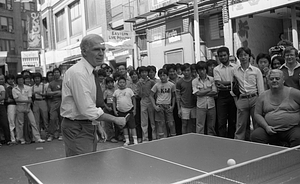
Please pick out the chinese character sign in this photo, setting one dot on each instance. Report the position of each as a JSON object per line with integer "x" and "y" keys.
{"x": 34, "y": 30}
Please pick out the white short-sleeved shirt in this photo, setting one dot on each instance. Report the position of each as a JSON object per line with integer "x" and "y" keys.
{"x": 164, "y": 92}
{"x": 22, "y": 94}
{"x": 124, "y": 99}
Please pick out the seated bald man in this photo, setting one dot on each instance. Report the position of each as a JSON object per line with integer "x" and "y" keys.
{"x": 277, "y": 113}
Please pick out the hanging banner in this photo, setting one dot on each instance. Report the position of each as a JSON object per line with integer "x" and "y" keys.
{"x": 34, "y": 30}
{"x": 119, "y": 39}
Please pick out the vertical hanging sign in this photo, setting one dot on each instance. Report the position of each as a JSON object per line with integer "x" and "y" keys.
{"x": 34, "y": 30}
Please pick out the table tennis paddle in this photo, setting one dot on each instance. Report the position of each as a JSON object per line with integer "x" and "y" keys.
{"x": 127, "y": 117}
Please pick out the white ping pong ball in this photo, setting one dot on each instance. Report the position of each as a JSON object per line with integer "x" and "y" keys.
{"x": 231, "y": 162}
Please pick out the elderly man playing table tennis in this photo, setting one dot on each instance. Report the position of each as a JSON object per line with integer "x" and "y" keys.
{"x": 82, "y": 100}
{"x": 277, "y": 113}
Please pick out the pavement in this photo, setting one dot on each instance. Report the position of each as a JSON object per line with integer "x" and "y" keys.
{"x": 13, "y": 157}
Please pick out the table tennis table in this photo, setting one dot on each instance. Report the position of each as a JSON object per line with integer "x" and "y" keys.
{"x": 189, "y": 158}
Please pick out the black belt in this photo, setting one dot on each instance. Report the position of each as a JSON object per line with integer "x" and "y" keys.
{"x": 77, "y": 119}
{"x": 39, "y": 99}
{"x": 248, "y": 96}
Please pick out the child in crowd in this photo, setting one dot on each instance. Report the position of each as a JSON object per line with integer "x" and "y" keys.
{"x": 186, "y": 100}
{"x": 144, "y": 87}
{"x": 205, "y": 89}
{"x": 109, "y": 127}
{"x": 164, "y": 104}
{"x": 102, "y": 76}
{"x": 152, "y": 73}
{"x": 124, "y": 103}
{"x": 194, "y": 71}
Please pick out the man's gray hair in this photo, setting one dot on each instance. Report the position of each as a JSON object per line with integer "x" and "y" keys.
{"x": 87, "y": 40}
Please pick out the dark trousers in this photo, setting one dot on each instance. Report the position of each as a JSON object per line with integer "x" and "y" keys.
{"x": 79, "y": 137}
{"x": 178, "y": 123}
{"x": 4, "y": 123}
{"x": 292, "y": 136}
{"x": 226, "y": 114}
{"x": 139, "y": 131}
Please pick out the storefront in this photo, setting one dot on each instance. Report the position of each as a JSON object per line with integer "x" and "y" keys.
{"x": 263, "y": 24}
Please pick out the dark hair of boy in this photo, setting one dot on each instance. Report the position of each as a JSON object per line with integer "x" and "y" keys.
{"x": 211, "y": 62}
{"x": 151, "y": 68}
{"x": 171, "y": 66}
{"x": 122, "y": 78}
{"x": 26, "y": 77}
{"x": 223, "y": 49}
{"x": 178, "y": 66}
{"x": 108, "y": 80}
{"x": 9, "y": 76}
{"x": 202, "y": 65}
{"x": 194, "y": 66}
{"x": 132, "y": 72}
{"x": 162, "y": 71}
{"x": 19, "y": 77}
{"x": 101, "y": 72}
{"x": 56, "y": 69}
{"x": 108, "y": 68}
{"x": 34, "y": 75}
{"x": 263, "y": 55}
{"x": 165, "y": 66}
{"x": 25, "y": 71}
{"x": 116, "y": 75}
{"x": 185, "y": 66}
{"x": 142, "y": 69}
{"x": 243, "y": 49}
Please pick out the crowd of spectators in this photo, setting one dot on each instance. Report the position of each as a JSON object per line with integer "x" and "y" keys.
{"x": 233, "y": 97}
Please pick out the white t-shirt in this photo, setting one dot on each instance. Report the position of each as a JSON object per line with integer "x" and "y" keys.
{"x": 123, "y": 99}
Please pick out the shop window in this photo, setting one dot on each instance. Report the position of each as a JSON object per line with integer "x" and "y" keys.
{"x": 75, "y": 18}
{"x": 24, "y": 27}
{"x": 6, "y": 24}
{"x": 216, "y": 26}
{"x": 174, "y": 56}
{"x": 60, "y": 26}
{"x": 6, "y": 4}
{"x": 7, "y": 45}
{"x": 45, "y": 33}
{"x": 28, "y": 6}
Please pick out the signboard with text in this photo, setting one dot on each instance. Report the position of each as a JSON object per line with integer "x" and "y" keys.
{"x": 119, "y": 39}
{"x": 173, "y": 35}
{"x": 30, "y": 58}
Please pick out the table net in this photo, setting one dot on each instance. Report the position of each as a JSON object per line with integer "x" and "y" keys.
{"x": 260, "y": 170}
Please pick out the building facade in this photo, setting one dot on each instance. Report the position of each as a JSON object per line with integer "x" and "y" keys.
{"x": 165, "y": 31}
{"x": 14, "y": 33}
{"x": 65, "y": 23}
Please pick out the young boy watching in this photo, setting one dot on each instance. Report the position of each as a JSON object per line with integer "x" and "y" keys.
{"x": 186, "y": 100}
{"x": 164, "y": 104}
{"x": 144, "y": 87}
{"x": 205, "y": 89}
{"x": 124, "y": 103}
{"x": 109, "y": 127}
